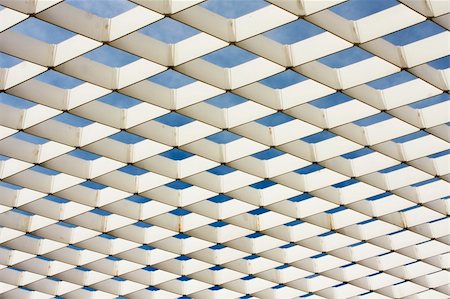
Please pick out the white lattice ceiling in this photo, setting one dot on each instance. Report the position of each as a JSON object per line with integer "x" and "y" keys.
{"x": 224, "y": 149}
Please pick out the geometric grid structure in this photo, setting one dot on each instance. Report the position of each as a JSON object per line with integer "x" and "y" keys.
{"x": 224, "y": 149}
